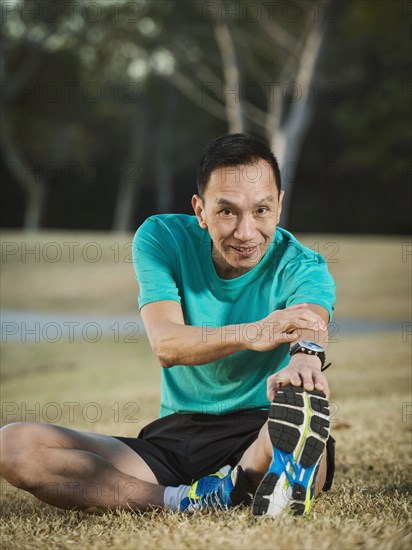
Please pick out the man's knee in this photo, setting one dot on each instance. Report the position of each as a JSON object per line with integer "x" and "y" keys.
{"x": 17, "y": 453}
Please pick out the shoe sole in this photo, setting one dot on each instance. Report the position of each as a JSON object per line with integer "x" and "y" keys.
{"x": 299, "y": 427}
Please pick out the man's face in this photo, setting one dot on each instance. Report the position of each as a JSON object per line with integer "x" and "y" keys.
{"x": 240, "y": 209}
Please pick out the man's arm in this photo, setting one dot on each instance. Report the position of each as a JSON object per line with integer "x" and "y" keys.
{"x": 304, "y": 369}
{"x": 175, "y": 343}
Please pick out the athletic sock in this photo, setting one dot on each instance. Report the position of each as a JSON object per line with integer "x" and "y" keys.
{"x": 174, "y": 495}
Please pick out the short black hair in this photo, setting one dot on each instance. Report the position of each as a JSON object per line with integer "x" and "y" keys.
{"x": 234, "y": 150}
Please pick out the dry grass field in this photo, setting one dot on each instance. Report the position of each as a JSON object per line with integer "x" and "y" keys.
{"x": 114, "y": 386}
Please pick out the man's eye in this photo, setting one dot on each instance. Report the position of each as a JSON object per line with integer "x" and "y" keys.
{"x": 262, "y": 210}
{"x": 225, "y": 212}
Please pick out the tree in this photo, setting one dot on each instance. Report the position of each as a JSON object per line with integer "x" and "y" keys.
{"x": 283, "y": 67}
{"x": 233, "y": 66}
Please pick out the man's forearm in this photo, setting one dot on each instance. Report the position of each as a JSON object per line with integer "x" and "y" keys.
{"x": 175, "y": 343}
{"x": 190, "y": 345}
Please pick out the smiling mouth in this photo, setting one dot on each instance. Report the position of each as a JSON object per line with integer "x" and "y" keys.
{"x": 244, "y": 251}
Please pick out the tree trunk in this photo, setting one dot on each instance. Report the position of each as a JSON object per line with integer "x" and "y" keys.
{"x": 34, "y": 185}
{"x": 36, "y": 195}
{"x": 288, "y": 137}
{"x": 163, "y": 165}
{"x": 232, "y": 91}
{"x": 130, "y": 174}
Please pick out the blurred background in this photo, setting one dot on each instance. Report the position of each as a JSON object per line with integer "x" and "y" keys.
{"x": 107, "y": 106}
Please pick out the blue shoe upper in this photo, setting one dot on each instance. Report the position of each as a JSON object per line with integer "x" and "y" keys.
{"x": 212, "y": 491}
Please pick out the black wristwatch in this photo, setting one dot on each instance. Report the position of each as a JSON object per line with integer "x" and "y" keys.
{"x": 310, "y": 348}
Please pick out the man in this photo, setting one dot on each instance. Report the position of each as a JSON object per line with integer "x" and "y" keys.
{"x": 236, "y": 310}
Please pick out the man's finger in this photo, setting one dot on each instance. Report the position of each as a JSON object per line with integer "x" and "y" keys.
{"x": 321, "y": 383}
{"x": 289, "y": 375}
{"x": 272, "y": 388}
{"x": 294, "y": 379}
{"x": 301, "y": 324}
{"x": 306, "y": 377}
{"x": 289, "y": 336}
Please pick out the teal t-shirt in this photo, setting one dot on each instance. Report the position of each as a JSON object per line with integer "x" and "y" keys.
{"x": 173, "y": 261}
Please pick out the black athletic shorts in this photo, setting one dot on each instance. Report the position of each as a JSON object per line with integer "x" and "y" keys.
{"x": 181, "y": 448}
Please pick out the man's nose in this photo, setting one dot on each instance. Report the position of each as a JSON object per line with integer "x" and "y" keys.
{"x": 245, "y": 229}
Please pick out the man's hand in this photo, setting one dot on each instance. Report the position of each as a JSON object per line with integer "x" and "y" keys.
{"x": 302, "y": 370}
{"x": 285, "y": 325}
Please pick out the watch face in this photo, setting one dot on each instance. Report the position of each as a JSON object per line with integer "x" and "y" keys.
{"x": 311, "y": 345}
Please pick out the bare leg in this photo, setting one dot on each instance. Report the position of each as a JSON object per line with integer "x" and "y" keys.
{"x": 72, "y": 469}
{"x": 257, "y": 458}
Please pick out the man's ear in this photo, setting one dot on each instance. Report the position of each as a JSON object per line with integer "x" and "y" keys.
{"x": 198, "y": 208}
{"x": 280, "y": 201}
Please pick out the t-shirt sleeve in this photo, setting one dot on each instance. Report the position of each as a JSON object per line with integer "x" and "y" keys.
{"x": 155, "y": 260}
{"x": 310, "y": 281}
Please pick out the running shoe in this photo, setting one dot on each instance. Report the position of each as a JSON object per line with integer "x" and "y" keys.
{"x": 299, "y": 427}
{"x": 226, "y": 488}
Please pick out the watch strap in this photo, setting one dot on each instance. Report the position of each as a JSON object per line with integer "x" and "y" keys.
{"x": 325, "y": 367}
